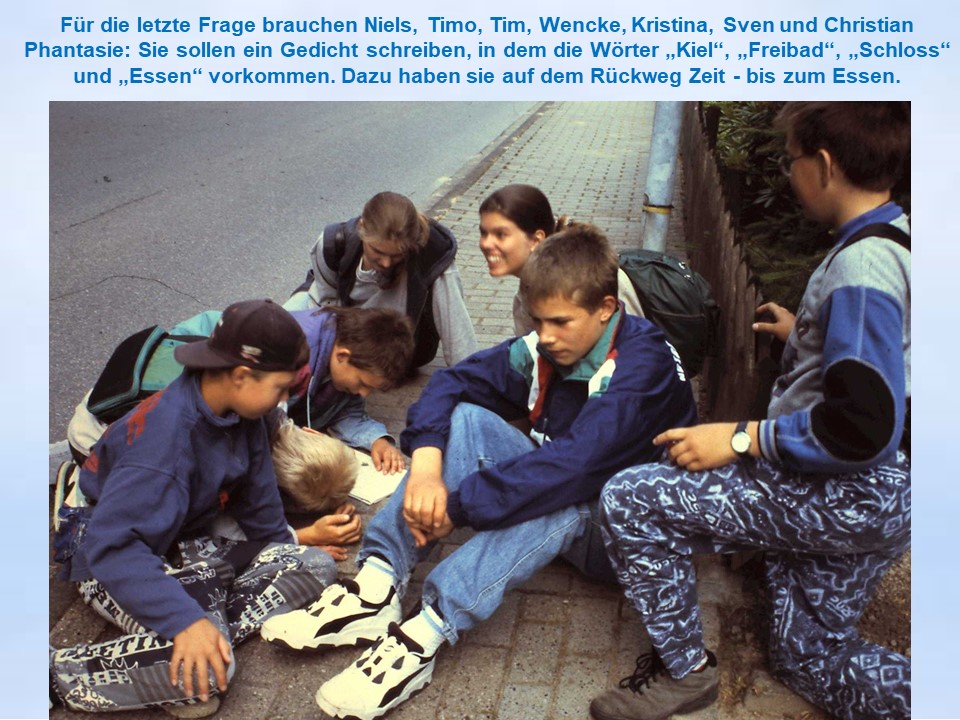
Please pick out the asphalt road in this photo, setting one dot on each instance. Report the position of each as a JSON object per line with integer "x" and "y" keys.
{"x": 161, "y": 210}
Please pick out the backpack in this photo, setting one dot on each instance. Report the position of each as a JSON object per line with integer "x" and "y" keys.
{"x": 677, "y": 300}
{"x": 142, "y": 364}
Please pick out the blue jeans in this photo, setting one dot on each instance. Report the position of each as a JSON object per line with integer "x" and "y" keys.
{"x": 468, "y": 586}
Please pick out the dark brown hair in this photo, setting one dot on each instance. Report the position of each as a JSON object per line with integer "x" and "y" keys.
{"x": 379, "y": 340}
{"x": 577, "y": 264}
{"x": 525, "y": 206}
{"x": 870, "y": 141}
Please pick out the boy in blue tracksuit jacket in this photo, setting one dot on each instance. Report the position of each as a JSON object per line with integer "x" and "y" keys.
{"x": 823, "y": 483}
{"x": 596, "y": 386}
{"x": 151, "y": 487}
{"x": 353, "y": 352}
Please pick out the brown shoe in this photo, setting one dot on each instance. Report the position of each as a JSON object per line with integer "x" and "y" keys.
{"x": 651, "y": 694}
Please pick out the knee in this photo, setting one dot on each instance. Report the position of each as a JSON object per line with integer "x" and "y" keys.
{"x": 625, "y": 491}
{"x": 466, "y": 414}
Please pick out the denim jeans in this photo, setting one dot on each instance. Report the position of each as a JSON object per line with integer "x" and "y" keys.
{"x": 468, "y": 586}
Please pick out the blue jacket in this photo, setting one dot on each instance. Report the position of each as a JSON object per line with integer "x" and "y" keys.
{"x": 341, "y": 414}
{"x": 592, "y": 419}
{"x": 162, "y": 472}
{"x": 841, "y": 402}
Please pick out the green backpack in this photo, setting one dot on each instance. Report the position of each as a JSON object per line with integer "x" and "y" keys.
{"x": 142, "y": 364}
{"x": 677, "y": 300}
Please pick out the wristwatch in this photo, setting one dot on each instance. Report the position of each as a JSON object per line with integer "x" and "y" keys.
{"x": 740, "y": 442}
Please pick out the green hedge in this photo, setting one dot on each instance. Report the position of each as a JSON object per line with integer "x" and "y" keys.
{"x": 782, "y": 246}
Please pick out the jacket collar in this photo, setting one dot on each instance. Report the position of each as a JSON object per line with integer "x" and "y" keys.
{"x": 588, "y": 366}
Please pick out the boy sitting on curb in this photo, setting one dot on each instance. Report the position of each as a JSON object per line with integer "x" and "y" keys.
{"x": 138, "y": 547}
{"x": 596, "y": 385}
{"x": 823, "y": 485}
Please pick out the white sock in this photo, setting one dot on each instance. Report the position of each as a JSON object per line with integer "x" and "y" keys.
{"x": 425, "y": 628}
{"x": 375, "y": 579}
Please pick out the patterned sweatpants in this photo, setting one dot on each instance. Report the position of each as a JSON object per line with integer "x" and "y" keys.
{"x": 828, "y": 540}
{"x": 132, "y": 671}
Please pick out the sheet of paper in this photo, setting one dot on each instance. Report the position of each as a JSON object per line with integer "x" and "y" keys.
{"x": 372, "y": 485}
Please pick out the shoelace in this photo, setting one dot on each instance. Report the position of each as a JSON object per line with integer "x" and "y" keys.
{"x": 380, "y": 655}
{"x": 649, "y": 666}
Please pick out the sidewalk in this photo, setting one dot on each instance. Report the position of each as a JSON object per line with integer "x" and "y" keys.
{"x": 560, "y": 639}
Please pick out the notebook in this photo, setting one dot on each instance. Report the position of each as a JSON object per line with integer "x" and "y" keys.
{"x": 372, "y": 485}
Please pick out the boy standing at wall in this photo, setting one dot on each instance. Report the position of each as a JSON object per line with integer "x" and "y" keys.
{"x": 823, "y": 484}
{"x": 595, "y": 384}
{"x": 152, "y": 485}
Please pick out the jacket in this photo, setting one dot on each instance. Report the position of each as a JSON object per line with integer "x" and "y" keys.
{"x": 590, "y": 420}
{"x": 163, "y": 472}
{"x": 430, "y": 291}
{"x": 841, "y": 402}
{"x": 341, "y": 414}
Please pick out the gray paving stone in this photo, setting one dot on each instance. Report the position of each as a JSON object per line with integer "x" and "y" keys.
{"x": 525, "y": 702}
{"x": 593, "y": 626}
{"x": 473, "y": 685}
{"x": 536, "y": 653}
{"x": 581, "y": 678}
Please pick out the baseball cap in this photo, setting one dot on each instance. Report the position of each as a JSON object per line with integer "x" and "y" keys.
{"x": 257, "y": 333}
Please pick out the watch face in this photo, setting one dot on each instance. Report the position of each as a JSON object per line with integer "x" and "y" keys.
{"x": 740, "y": 442}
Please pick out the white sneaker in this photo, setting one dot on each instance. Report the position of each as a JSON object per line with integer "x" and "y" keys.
{"x": 339, "y": 617}
{"x": 384, "y": 676}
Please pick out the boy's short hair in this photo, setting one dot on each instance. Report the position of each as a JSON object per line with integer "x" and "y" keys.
{"x": 258, "y": 334}
{"x": 379, "y": 340}
{"x": 576, "y": 263}
{"x": 316, "y": 470}
{"x": 870, "y": 141}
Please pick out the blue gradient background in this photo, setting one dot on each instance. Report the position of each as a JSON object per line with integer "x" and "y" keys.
{"x": 30, "y": 84}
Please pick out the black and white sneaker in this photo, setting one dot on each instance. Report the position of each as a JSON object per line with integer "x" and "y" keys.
{"x": 385, "y": 675}
{"x": 339, "y": 617}
{"x": 67, "y": 492}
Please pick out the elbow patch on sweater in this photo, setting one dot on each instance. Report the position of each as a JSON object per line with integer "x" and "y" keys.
{"x": 857, "y": 418}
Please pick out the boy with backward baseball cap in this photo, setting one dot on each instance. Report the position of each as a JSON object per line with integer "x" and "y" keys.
{"x": 137, "y": 544}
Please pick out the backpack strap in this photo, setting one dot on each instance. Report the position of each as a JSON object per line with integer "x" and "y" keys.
{"x": 342, "y": 249}
{"x": 882, "y": 230}
{"x": 424, "y": 267}
{"x": 118, "y": 387}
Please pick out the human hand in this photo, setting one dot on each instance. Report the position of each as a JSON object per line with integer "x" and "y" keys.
{"x": 783, "y": 321}
{"x": 425, "y": 497}
{"x": 424, "y": 535}
{"x": 342, "y": 527}
{"x": 702, "y": 447}
{"x": 337, "y": 552}
{"x": 386, "y": 457}
{"x": 199, "y": 647}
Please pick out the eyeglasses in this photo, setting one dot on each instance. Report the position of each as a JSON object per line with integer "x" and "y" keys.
{"x": 786, "y": 163}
